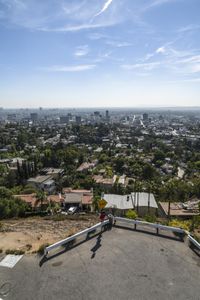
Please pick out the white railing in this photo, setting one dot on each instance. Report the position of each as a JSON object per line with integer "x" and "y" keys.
{"x": 126, "y": 221}
{"x": 152, "y": 225}
{"x": 193, "y": 241}
{"x": 73, "y": 237}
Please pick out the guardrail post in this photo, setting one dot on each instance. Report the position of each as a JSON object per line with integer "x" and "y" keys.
{"x": 157, "y": 231}
{"x": 135, "y": 226}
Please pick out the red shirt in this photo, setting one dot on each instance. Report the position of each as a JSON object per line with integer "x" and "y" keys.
{"x": 102, "y": 216}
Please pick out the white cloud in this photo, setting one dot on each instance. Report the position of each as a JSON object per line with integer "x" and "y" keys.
{"x": 57, "y": 16}
{"x": 161, "y": 50}
{"x": 118, "y": 44}
{"x": 195, "y": 68}
{"x": 191, "y": 27}
{"x": 78, "y": 68}
{"x": 160, "y": 2}
{"x": 82, "y": 51}
{"x": 105, "y": 7}
{"x": 74, "y": 28}
{"x": 143, "y": 66}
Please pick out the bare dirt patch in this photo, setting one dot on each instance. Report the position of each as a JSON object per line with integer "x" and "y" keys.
{"x": 30, "y": 233}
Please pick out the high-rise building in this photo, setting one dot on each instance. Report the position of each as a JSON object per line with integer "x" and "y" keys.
{"x": 107, "y": 114}
{"x": 64, "y": 119}
{"x": 11, "y": 117}
{"x": 96, "y": 113}
{"x": 145, "y": 117}
{"x": 78, "y": 119}
{"x": 34, "y": 117}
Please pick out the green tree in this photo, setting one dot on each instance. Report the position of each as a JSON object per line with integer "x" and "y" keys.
{"x": 41, "y": 196}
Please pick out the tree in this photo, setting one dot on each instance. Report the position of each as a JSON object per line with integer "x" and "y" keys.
{"x": 5, "y": 193}
{"x": 41, "y": 196}
{"x": 149, "y": 172}
{"x": 159, "y": 155}
{"x": 10, "y": 179}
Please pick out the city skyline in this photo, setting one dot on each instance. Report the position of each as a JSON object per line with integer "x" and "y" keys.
{"x": 99, "y": 53}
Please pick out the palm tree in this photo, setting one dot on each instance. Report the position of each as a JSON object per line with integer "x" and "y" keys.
{"x": 170, "y": 193}
{"x": 41, "y": 196}
{"x": 138, "y": 187}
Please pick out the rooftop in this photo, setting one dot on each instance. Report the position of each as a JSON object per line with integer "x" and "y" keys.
{"x": 130, "y": 201}
{"x": 39, "y": 179}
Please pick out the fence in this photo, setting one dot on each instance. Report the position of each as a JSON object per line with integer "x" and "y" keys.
{"x": 126, "y": 221}
{"x": 193, "y": 241}
{"x": 73, "y": 237}
{"x": 152, "y": 225}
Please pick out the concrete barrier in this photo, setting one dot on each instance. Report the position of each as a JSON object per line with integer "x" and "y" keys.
{"x": 73, "y": 237}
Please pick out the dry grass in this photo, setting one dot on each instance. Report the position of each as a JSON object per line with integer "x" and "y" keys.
{"x": 29, "y": 234}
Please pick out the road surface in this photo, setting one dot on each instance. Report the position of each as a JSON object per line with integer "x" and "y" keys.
{"x": 119, "y": 264}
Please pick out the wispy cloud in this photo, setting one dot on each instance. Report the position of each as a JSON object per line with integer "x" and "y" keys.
{"x": 118, "y": 44}
{"x": 155, "y": 3}
{"x": 74, "y": 28}
{"x": 82, "y": 51}
{"x": 143, "y": 66}
{"x": 161, "y": 50}
{"x": 77, "y": 68}
{"x": 188, "y": 28}
{"x": 176, "y": 61}
{"x": 57, "y": 16}
{"x": 105, "y": 7}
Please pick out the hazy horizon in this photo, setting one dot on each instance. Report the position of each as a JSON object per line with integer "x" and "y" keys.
{"x": 106, "y": 107}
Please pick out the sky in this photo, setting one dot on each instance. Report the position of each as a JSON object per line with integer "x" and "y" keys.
{"x": 99, "y": 53}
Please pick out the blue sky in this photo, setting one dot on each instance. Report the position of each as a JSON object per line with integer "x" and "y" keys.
{"x": 83, "y": 53}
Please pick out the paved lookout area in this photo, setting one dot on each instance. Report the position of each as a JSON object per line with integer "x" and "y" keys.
{"x": 119, "y": 264}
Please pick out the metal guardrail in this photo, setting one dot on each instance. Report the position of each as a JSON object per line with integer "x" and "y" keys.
{"x": 122, "y": 220}
{"x": 193, "y": 241}
{"x": 73, "y": 237}
{"x": 152, "y": 225}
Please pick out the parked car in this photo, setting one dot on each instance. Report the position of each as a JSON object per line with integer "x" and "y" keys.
{"x": 72, "y": 210}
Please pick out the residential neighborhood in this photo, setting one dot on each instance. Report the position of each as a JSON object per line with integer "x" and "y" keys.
{"x": 145, "y": 161}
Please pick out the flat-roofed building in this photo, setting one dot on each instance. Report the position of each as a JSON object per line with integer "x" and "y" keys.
{"x": 143, "y": 203}
{"x": 44, "y": 182}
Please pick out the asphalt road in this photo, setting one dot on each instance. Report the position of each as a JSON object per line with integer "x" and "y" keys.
{"x": 120, "y": 264}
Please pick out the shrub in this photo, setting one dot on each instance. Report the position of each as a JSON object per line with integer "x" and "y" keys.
{"x": 28, "y": 247}
{"x": 14, "y": 251}
{"x": 195, "y": 222}
{"x": 12, "y": 207}
{"x": 150, "y": 218}
{"x": 181, "y": 224}
{"x": 131, "y": 214}
{"x": 41, "y": 249}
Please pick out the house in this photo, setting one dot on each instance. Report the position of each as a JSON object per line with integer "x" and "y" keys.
{"x": 79, "y": 198}
{"x": 105, "y": 182}
{"x": 55, "y": 173}
{"x": 15, "y": 161}
{"x": 143, "y": 203}
{"x": 35, "y": 204}
{"x": 86, "y": 166}
{"x": 44, "y": 182}
{"x": 31, "y": 200}
{"x": 180, "y": 210}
